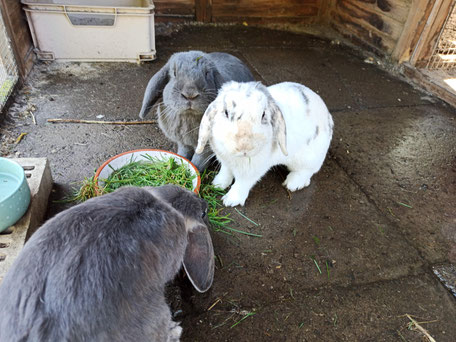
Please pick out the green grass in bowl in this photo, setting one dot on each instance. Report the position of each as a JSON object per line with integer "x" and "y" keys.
{"x": 156, "y": 172}
{"x": 149, "y": 172}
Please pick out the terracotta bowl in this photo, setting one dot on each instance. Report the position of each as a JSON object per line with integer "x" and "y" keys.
{"x": 124, "y": 158}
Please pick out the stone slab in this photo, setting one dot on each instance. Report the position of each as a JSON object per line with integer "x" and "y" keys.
{"x": 12, "y": 240}
{"x": 447, "y": 275}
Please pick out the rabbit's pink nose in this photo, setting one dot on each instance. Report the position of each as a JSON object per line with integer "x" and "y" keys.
{"x": 189, "y": 96}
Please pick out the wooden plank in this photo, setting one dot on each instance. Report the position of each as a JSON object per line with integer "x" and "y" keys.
{"x": 174, "y": 18}
{"x": 431, "y": 31}
{"x": 203, "y": 9}
{"x": 413, "y": 28}
{"x": 21, "y": 41}
{"x": 370, "y": 20}
{"x": 324, "y": 10}
{"x": 394, "y": 9}
{"x": 379, "y": 42}
{"x": 238, "y": 10}
{"x": 311, "y": 19}
{"x": 365, "y": 31}
{"x": 176, "y": 7}
{"x": 434, "y": 85}
{"x": 18, "y": 32}
{"x": 356, "y": 40}
{"x": 264, "y": 8}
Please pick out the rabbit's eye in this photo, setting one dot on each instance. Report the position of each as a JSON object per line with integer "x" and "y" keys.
{"x": 263, "y": 117}
{"x": 226, "y": 113}
{"x": 203, "y": 215}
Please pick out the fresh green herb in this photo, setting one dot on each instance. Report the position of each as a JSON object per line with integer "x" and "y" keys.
{"x": 246, "y": 316}
{"x": 327, "y": 269}
{"x": 316, "y": 263}
{"x": 211, "y": 194}
{"x": 150, "y": 172}
{"x": 251, "y": 221}
{"x": 405, "y": 205}
{"x": 156, "y": 172}
{"x": 291, "y": 293}
{"x": 87, "y": 190}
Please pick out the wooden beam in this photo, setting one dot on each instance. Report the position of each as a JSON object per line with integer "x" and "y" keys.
{"x": 174, "y": 8}
{"x": 431, "y": 31}
{"x": 19, "y": 34}
{"x": 426, "y": 80}
{"x": 413, "y": 27}
{"x": 203, "y": 10}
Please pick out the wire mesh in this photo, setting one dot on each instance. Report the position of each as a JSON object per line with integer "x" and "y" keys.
{"x": 8, "y": 68}
{"x": 444, "y": 54}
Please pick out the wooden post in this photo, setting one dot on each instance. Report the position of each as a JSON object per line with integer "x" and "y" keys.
{"x": 203, "y": 9}
{"x": 18, "y": 31}
{"x": 413, "y": 27}
{"x": 324, "y": 11}
{"x": 421, "y": 30}
{"x": 431, "y": 31}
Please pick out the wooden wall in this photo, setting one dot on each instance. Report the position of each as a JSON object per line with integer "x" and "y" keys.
{"x": 388, "y": 27}
{"x": 405, "y": 30}
{"x": 255, "y": 11}
{"x": 264, "y": 10}
{"x": 166, "y": 10}
{"x": 376, "y": 24}
{"x": 21, "y": 41}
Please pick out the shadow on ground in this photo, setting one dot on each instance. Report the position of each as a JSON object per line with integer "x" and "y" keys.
{"x": 344, "y": 259}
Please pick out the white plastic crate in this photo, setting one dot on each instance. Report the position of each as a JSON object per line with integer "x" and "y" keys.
{"x": 92, "y": 30}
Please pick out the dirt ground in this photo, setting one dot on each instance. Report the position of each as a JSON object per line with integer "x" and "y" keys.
{"x": 345, "y": 259}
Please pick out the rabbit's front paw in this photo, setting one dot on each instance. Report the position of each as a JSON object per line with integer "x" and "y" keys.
{"x": 297, "y": 180}
{"x": 222, "y": 181}
{"x": 175, "y": 332}
{"x": 234, "y": 198}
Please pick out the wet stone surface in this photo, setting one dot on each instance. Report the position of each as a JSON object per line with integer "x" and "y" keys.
{"x": 344, "y": 259}
{"x": 447, "y": 274}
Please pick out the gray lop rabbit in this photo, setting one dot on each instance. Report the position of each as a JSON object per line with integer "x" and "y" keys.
{"x": 189, "y": 82}
{"x": 97, "y": 271}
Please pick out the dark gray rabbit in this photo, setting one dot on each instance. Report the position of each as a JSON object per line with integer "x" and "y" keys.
{"x": 97, "y": 271}
{"x": 189, "y": 82}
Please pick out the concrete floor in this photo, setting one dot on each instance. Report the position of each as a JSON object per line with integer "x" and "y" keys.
{"x": 392, "y": 145}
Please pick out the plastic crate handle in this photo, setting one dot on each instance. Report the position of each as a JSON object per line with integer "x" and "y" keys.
{"x": 91, "y": 19}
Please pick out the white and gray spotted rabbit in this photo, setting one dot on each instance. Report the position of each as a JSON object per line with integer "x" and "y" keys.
{"x": 97, "y": 271}
{"x": 190, "y": 81}
{"x": 252, "y": 128}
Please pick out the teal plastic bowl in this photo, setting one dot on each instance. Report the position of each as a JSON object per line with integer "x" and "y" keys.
{"x": 14, "y": 193}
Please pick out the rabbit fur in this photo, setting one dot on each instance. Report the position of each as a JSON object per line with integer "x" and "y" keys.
{"x": 97, "y": 271}
{"x": 252, "y": 128}
{"x": 189, "y": 81}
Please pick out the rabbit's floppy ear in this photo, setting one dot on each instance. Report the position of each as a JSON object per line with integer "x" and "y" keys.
{"x": 213, "y": 75}
{"x": 199, "y": 256}
{"x": 278, "y": 125}
{"x": 217, "y": 78}
{"x": 154, "y": 88}
{"x": 205, "y": 127}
